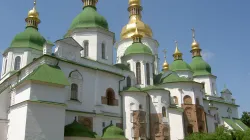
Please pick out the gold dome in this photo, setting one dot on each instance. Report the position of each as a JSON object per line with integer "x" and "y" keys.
{"x": 195, "y": 45}
{"x": 165, "y": 66}
{"x": 129, "y": 30}
{"x": 134, "y": 2}
{"x": 33, "y": 13}
{"x": 135, "y": 22}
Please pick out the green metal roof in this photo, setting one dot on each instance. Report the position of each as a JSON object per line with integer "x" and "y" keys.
{"x": 179, "y": 65}
{"x": 78, "y": 130}
{"x": 89, "y": 17}
{"x": 113, "y": 132}
{"x": 122, "y": 66}
{"x": 236, "y": 124}
{"x": 200, "y": 67}
{"x": 152, "y": 88}
{"x": 29, "y": 38}
{"x": 172, "y": 77}
{"x": 48, "y": 74}
{"x": 137, "y": 48}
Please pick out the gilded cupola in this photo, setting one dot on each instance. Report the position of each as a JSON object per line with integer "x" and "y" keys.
{"x": 165, "y": 65}
{"x": 135, "y": 21}
{"x": 33, "y": 17}
{"x": 196, "y": 50}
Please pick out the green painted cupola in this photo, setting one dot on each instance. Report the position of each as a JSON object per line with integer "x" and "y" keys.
{"x": 30, "y": 37}
{"x": 198, "y": 65}
{"x": 113, "y": 132}
{"x": 78, "y": 130}
{"x": 89, "y": 17}
{"x": 137, "y": 47}
{"x": 179, "y": 64}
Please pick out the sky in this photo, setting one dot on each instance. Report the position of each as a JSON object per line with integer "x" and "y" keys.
{"x": 222, "y": 29}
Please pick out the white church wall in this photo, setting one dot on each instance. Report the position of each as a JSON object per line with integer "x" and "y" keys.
{"x": 22, "y": 93}
{"x": 210, "y": 123}
{"x": 143, "y": 59}
{"x": 210, "y": 84}
{"x": 47, "y": 93}
{"x": 96, "y": 37}
{"x": 131, "y": 102}
{"x": 4, "y": 104}
{"x": 4, "y": 129}
{"x": 176, "y": 124}
{"x": 159, "y": 99}
{"x": 187, "y": 89}
{"x": 45, "y": 121}
{"x": 17, "y": 122}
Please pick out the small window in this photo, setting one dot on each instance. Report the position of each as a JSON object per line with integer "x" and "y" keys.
{"x": 128, "y": 81}
{"x": 17, "y": 63}
{"x": 140, "y": 107}
{"x": 138, "y": 73}
{"x": 74, "y": 91}
{"x": 110, "y": 97}
{"x": 103, "y": 51}
{"x": 164, "y": 112}
{"x": 86, "y": 48}
{"x": 148, "y": 73}
{"x": 187, "y": 100}
{"x": 176, "y": 100}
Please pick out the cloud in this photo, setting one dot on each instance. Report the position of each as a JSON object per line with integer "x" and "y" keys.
{"x": 207, "y": 55}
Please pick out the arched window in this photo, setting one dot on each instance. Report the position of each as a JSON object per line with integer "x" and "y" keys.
{"x": 103, "y": 51}
{"x": 86, "y": 48}
{"x": 148, "y": 73}
{"x": 110, "y": 97}
{"x": 187, "y": 100}
{"x": 140, "y": 107}
{"x": 17, "y": 63}
{"x": 164, "y": 112}
{"x": 128, "y": 81}
{"x": 74, "y": 91}
{"x": 138, "y": 73}
{"x": 176, "y": 100}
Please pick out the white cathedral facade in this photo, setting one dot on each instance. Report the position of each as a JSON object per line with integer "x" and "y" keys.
{"x": 71, "y": 90}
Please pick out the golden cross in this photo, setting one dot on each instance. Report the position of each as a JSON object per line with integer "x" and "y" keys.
{"x": 34, "y": 3}
{"x": 165, "y": 54}
{"x": 193, "y": 31}
{"x": 176, "y": 43}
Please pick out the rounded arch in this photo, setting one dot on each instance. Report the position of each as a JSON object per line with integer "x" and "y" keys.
{"x": 110, "y": 94}
{"x": 75, "y": 75}
{"x": 17, "y": 64}
{"x": 128, "y": 81}
{"x": 187, "y": 99}
{"x": 103, "y": 49}
{"x": 176, "y": 100}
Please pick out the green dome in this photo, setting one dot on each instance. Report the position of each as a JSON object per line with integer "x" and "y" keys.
{"x": 78, "y": 130}
{"x": 200, "y": 67}
{"x": 29, "y": 38}
{"x": 113, "y": 132}
{"x": 138, "y": 48}
{"x": 89, "y": 17}
{"x": 180, "y": 65}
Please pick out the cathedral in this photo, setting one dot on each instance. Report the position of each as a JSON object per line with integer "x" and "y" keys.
{"x": 73, "y": 89}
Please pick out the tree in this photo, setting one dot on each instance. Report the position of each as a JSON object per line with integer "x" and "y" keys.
{"x": 245, "y": 118}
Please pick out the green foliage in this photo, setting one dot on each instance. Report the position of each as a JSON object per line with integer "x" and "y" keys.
{"x": 245, "y": 118}
{"x": 221, "y": 133}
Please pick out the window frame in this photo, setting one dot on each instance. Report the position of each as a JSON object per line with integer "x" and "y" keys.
{"x": 138, "y": 73}
{"x": 86, "y": 48}
{"x": 103, "y": 49}
{"x": 74, "y": 93}
{"x": 17, "y": 63}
